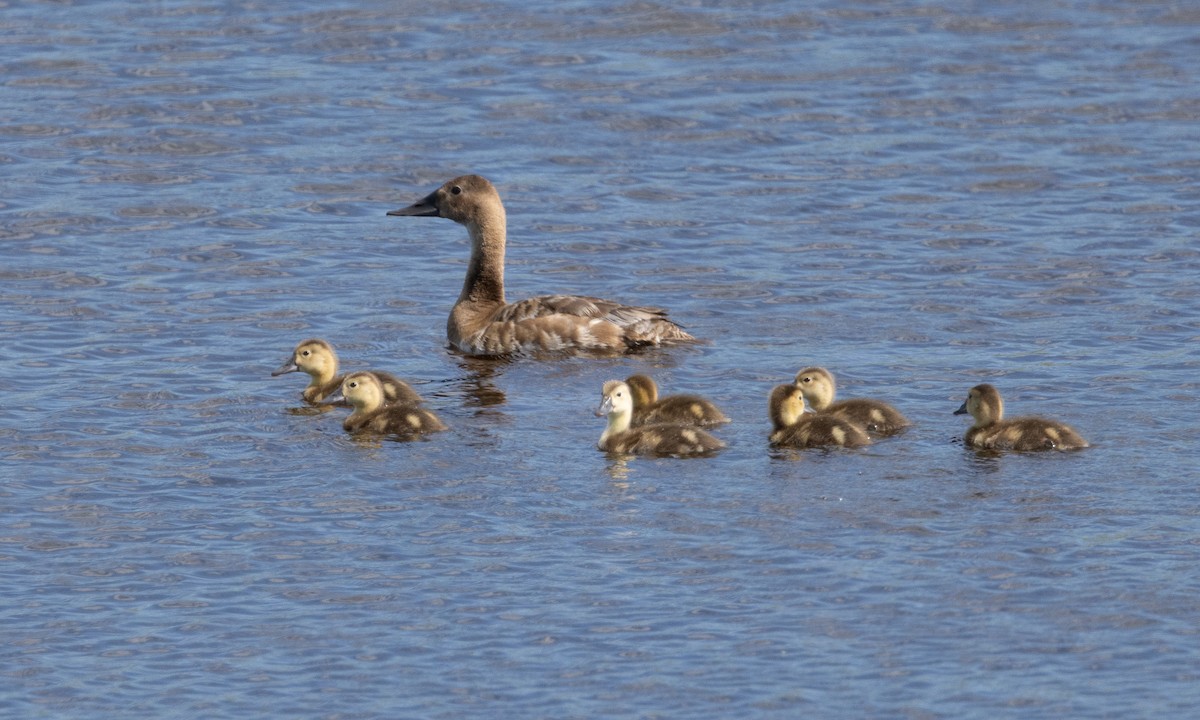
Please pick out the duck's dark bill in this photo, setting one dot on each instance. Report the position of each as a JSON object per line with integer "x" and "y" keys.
{"x": 423, "y": 208}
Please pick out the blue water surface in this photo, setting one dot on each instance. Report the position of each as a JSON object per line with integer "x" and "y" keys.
{"x": 920, "y": 196}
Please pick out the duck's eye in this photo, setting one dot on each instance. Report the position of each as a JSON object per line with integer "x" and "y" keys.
{"x": 306, "y": 353}
{"x": 456, "y": 190}
{"x": 353, "y": 385}
{"x": 806, "y": 379}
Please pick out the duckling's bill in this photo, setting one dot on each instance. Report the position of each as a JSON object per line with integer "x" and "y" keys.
{"x": 288, "y": 367}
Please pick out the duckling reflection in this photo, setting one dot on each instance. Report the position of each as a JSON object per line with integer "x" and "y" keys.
{"x": 874, "y": 416}
{"x": 616, "y": 402}
{"x": 792, "y": 427}
{"x": 991, "y": 431}
{"x": 316, "y": 358}
{"x": 365, "y": 393}
{"x": 649, "y": 409}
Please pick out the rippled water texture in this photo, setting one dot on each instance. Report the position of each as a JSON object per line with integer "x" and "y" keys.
{"x": 919, "y": 196}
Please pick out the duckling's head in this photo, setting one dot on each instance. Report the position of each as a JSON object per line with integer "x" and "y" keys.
{"x": 314, "y": 357}
{"x": 362, "y": 390}
{"x": 468, "y": 199}
{"x": 785, "y": 406}
{"x": 615, "y": 399}
{"x": 643, "y": 390}
{"x": 817, "y": 385}
{"x": 984, "y": 404}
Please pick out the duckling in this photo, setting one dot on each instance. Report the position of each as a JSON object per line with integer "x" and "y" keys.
{"x": 792, "y": 427}
{"x": 649, "y": 409}
{"x": 616, "y": 401}
{"x": 365, "y": 393}
{"x": 482, "y": 323}
{"x": 318, "y": 359}
{"x": 875, "y": 416}
{"x": 992, "y": 432}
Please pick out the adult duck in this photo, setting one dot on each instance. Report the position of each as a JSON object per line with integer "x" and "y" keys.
{"x": 483, "y": 323}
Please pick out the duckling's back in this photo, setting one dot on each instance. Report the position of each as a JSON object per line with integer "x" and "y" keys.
{"x": 1025, "y": 434}
{"x": 681, "y": 410}
{"x": 819, "y": 431}
{"x": 403, "y": 420}
{"x": 875, "y": 416}
{"x": 662, "y": 440}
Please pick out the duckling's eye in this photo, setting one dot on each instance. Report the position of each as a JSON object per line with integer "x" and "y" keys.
{"x": 456, "y": 190}
{"x": 353, "y": 385}
{"x": 306, "y": 353}
{"x": 806, "y": 379}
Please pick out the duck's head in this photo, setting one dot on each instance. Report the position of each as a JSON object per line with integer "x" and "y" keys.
{"x": 468, "y": 199}
{"x": 984, "y": 404}
{"x": 615, "y": 399}
{"x": 314, "y": 357}
{"x": 362, "y": 390}
{"x": 643, "y": 390}
{"x": 785, "y": 405}
{"x": 817, "y": 386}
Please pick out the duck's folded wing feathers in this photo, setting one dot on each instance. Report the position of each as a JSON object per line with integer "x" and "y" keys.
{"x": 579, "y": 306}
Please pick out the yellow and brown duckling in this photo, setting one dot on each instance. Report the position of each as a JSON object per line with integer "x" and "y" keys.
{"x": 991, "y": 431}
{"x": 372, "y": 414}
{"x": 649, "y": 409}
{"x": 317, "y": 359}
{"x": 483, "y": 323}
{"x": 875, "y": 416}
{"x": 616, "y": 402}
{"x": 792, "y": 427}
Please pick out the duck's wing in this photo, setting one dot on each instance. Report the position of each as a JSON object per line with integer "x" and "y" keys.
{"x": 579, "y": 306}
{"x": 641, "y": 325}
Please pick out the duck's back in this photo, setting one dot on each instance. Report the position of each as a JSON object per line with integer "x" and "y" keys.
{"x": 873, "y": 415}
{"x": 395, "y": 420}
{"x": 1027, "y": 433}
{"x": 557, "y": 323}
{"x": 820, "y": 430}
{"x": 662, "y": 440}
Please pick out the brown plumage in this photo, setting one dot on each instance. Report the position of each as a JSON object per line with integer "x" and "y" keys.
{"x": 875, "y": 416}
{"x": 483, "y": 323}
{"x": 317, "y": 359}
{"x": 792, "y": 427}
{"x": 364, "y": 392}
{"x": 991, "y": 431}
{"x": 616, "y": 402}
{"x": 649, "y": 409}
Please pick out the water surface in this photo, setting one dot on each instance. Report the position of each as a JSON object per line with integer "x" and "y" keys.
{"x": 919, "y": 196}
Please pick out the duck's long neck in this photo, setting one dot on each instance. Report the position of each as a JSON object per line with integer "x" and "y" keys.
{"x": 485, "y": 274}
